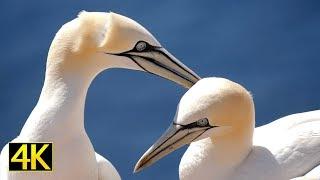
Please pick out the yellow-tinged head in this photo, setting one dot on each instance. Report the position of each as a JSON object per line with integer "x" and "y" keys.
{"x": 96, "y": 41}
{"x": 213, "y": 108}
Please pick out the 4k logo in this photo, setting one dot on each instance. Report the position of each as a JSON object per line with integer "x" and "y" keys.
{"x": 30, "y": 156}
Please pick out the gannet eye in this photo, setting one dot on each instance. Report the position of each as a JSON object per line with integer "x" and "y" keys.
{"x": 141, "y": 46}
{"x": 203, "y": 122}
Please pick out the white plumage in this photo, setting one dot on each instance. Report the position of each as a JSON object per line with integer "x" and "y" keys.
{"x": 294, "y": 140}
{"x": 217, "y": 117}
{"x": 80, "y": 50}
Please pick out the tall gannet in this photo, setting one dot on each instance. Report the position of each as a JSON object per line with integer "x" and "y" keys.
{"x": 217, "y": 117}
{"x": 82, "y": 48}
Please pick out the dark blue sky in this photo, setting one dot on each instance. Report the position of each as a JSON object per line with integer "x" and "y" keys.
{"x": 271, "y": 47}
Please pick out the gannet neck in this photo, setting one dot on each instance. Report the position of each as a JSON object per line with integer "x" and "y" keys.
{"x": 217, "y": 110}
{"x": 209, "y": 155}
{"x": 216, "y": 117}
{"x": 237, "y": 142}
{"x": 237, "y": 145}
{"x": 232, "y": 110}
{"x": 60, "y": 108}
{"x": 81, "y": 49}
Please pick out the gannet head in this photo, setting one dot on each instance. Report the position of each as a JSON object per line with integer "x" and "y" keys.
{"x": 96, "y": 41}
{"x": 212, "y": 108}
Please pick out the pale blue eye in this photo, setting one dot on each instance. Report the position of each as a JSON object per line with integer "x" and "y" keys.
{"x": 202, "y": 122}
{"x": 141, "y": 46}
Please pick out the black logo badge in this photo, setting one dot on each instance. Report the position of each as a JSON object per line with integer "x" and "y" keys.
{"x": 30, "y": 156}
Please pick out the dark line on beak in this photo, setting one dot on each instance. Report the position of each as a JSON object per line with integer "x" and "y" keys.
{"x": 173, "y": 143}
{"x": 130, "y": 57}
{"x": 165, "y": 67}
{"x": 139, "y": 64}
{"x": 165, "y": 147}
{"x": 167, "y": 56}
{"x": 170, "y": 137}
{"x": 156, "y": 63}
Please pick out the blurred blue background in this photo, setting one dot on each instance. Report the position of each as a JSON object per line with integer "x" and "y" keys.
{"x": 271, "y": 47}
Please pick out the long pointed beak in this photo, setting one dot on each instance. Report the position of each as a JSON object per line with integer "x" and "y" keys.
{"x": 173, "y": 69}
{"x": 175, "y": 137}
{"x": 160, "y": 62}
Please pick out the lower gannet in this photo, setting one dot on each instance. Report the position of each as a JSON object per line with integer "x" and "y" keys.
{"x": 217, "y": 117}
{"x": 82, "y": 48}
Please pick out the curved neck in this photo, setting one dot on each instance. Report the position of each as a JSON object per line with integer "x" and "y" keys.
{"x": 218, "y": 158}
{"x": 60, "y": 108}
{"x": 230, "y": 150}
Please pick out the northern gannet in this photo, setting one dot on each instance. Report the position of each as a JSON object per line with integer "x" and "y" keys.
{"x": 81, "y": 49}
{"x": 217, "y": 117}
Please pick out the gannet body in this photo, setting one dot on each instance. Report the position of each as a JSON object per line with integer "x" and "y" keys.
{"x": 294, "y": 141}
{"x": 82, "y": 49}
{"x": 314, "y": 174}
{"x": 217, "y": 117}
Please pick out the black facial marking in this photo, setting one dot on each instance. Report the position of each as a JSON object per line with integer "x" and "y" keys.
{"x": 142, "y": 46}
{"x": 198, "y": 124}
{"x": 201, "y": 123}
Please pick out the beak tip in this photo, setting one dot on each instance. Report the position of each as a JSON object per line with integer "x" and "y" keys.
{"x": 137, "y": 168}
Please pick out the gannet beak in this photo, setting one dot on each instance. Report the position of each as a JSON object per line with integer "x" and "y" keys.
{"x": 157, "y": 60}
{"x": 175, "y": 137}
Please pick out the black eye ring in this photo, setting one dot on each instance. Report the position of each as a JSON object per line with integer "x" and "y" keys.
{"x": 197, "y": 124}
{"x": 141, "y": 46}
